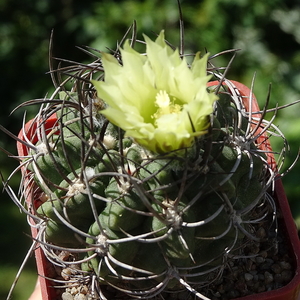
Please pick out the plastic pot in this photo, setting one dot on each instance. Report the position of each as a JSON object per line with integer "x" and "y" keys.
{"x": 44, "y": 268}
{"x": 289, "y": 292}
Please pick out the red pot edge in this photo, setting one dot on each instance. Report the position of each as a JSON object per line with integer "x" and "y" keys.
{"x": 289, "y": 292}
{"x": 29, "y": 130}
{"x": 47, "y": 291}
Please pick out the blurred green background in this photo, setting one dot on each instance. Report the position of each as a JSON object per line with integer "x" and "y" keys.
{"x": 267, "y": 32}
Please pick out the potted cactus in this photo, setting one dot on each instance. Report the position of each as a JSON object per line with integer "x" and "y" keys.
{"x": 153, "y": 178}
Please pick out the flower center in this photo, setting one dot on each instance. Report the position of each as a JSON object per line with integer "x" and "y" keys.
{"x": 165, "y": 105}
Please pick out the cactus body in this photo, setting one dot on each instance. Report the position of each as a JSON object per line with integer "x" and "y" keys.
{"x": 183, "y": 210}
{"x": 148, "y": 222}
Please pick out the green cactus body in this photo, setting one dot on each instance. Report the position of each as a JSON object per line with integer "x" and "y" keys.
{"x": 52, "y": 169}
{"x": 143, "y": 204}
{"x": 149, "y": 221}
{"x": 60, "y": 234}
{"x": 71, "y": 201}
{"x": 121, "y": 211}
{"x": 177, "y": 245}
{"x": 122, "y": 251}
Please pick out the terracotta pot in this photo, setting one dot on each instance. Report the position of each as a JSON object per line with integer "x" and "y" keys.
{"x": 289, "y": 292}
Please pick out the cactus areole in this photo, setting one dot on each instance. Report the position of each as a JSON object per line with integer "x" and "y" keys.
{"x": 149, "y": 180}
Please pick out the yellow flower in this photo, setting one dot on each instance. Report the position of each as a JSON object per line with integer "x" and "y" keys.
{"x": 157, "y": 99}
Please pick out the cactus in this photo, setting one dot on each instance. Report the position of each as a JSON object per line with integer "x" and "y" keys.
{"x": 149, "y": 195}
